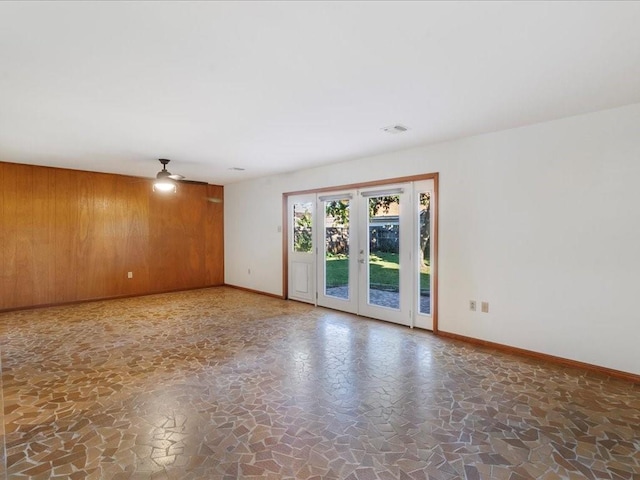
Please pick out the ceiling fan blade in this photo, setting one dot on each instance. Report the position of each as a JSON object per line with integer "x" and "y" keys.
{"x": 193, "y": 182}
{"x": 176, "y": 177}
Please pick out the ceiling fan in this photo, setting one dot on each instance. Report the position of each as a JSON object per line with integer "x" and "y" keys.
{"x": 166, "y": 181}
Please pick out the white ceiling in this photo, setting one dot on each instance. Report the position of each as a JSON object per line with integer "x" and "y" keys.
{"x": 280, "y": 86}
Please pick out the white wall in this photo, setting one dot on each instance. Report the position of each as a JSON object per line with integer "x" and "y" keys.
{"x": 541, "y": 221}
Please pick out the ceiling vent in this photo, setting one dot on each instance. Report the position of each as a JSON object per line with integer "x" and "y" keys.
{"x": 393, "y": 129}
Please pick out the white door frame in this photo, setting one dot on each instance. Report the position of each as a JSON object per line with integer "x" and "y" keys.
{"x": 401, "y": 315}
{"x": 349, "y": 304}
{"x": 422, "y": 320}
{"x": 301, "y": 265}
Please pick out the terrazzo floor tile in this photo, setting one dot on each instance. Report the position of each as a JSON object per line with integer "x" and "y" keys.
{"x": 224, "y": 384}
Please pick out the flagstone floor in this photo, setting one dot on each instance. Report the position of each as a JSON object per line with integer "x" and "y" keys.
{"x": 224, "y": 384}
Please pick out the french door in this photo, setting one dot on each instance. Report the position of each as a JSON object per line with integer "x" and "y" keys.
{"x": 338, "y": 267}
{"x": 365, "y": 251}
{"x": 384, "y": 254}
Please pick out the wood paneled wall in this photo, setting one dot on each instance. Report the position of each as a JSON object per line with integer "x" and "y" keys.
{"x": 68, "y": 235}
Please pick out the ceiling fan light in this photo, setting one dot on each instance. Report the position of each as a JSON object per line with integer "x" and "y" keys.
{"x": 164, "y": 185}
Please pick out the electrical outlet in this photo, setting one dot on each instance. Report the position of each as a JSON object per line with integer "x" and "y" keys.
{"x": 485, "y": 307}
{"x": 129, "y": 274}
{"x": 472, "y": 305}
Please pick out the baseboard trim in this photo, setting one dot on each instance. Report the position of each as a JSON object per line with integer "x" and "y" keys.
{"x": 545, "y": 357}
{"x": 102, "y": 299}
{"x": 259, "y": 292}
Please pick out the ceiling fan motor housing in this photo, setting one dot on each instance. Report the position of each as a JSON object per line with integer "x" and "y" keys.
{"x": 164, "y": 173}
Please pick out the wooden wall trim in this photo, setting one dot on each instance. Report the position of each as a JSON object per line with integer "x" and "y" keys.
{"x": 259, "y": 292}
{"x": 632, "y": 377}
{"x": 435, "y": 265}
{"x": 285, "y": 247}
{"x": 374, "y": 183}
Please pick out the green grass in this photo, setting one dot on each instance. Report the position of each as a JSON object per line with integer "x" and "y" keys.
{"x": 384, "y": 270}
{"x": 337, "y": 271}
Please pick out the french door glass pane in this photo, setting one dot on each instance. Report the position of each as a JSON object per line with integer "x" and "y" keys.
{"x": 302, "y": 228}
{"x": 424, "y": 257}
{"x": 336, "y": 227}
{"x": 384, "y": 251}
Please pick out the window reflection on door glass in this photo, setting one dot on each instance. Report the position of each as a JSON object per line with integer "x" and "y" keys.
{"x": 302, "y": 227}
